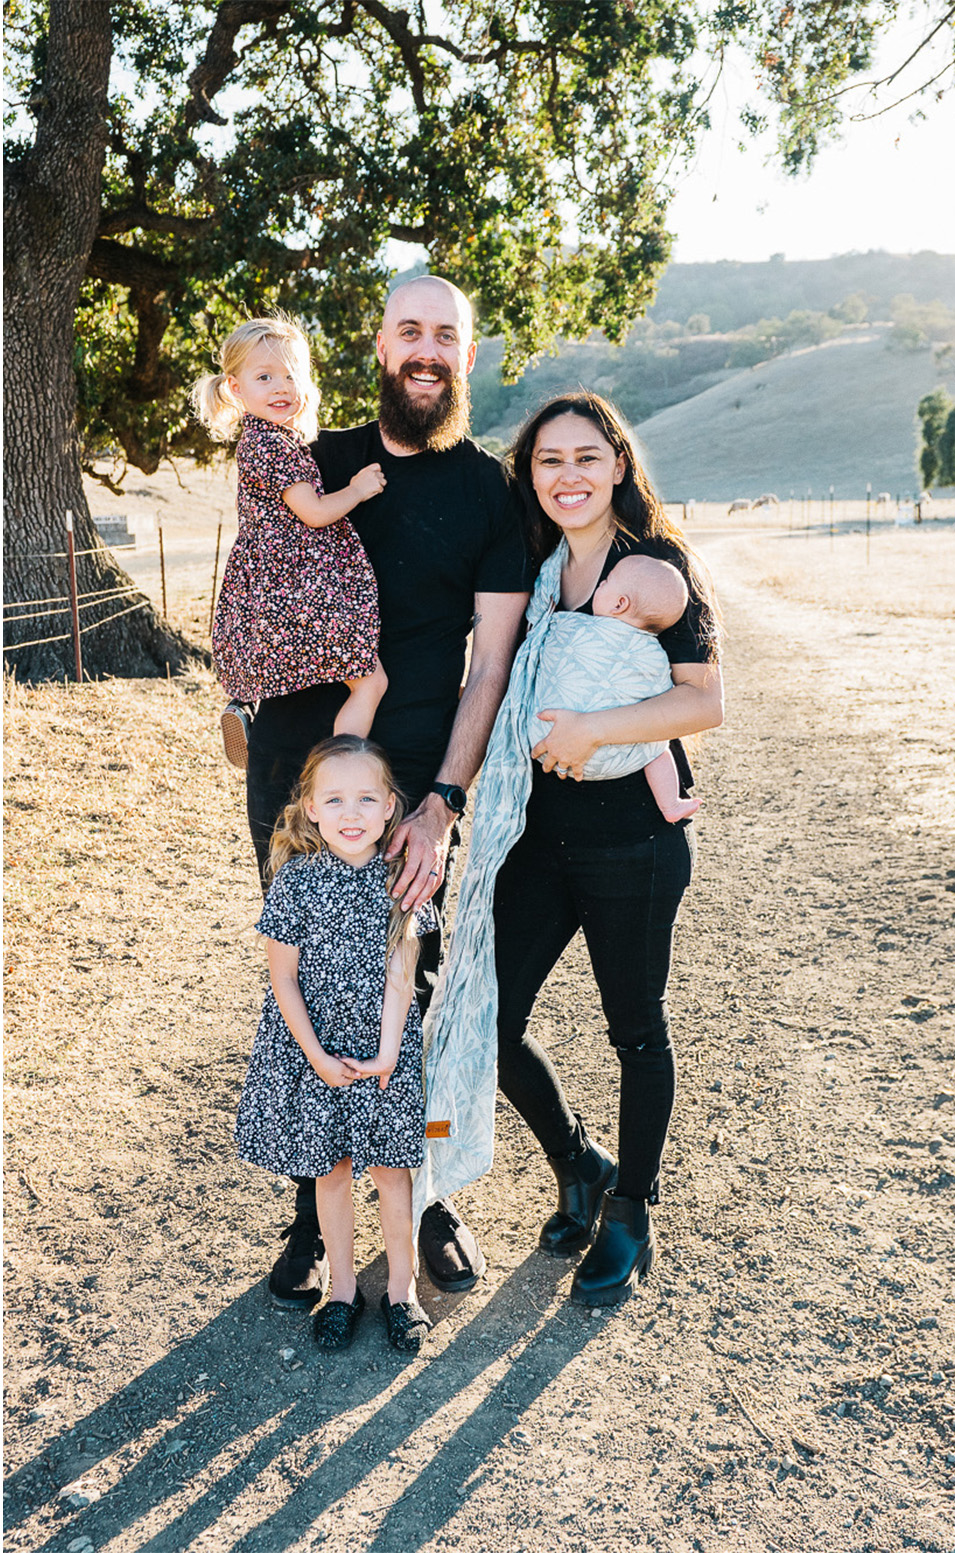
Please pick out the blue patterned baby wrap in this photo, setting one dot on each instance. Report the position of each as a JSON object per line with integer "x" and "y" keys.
{"x": 461, "y": 1026}
{"x": 590, "y": 662}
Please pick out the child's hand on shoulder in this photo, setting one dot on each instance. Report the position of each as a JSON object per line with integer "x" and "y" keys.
{"x": 333, "y": 1071}
{"x": 369, "y": 1066}
{"x": 368, "y": 482}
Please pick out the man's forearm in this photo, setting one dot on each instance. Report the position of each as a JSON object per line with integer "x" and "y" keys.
{"x": 480, "y": 699}
{"x": 497, "y": 625}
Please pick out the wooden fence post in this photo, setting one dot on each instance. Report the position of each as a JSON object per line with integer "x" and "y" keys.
{"x": 215, "y": 577}
{"x": 74, "y": 602}
{"x": 162, "y": 565}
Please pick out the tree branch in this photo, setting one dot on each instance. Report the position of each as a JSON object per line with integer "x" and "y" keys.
{"x": 122, "y": 266}
{"x": 864, "y": 118}
{"x": 407, "y": 43}
{"x": 220, "y": 58}
{"x": 409, "y": 234}
{"x": 410, "y": 44}
{"x": 886, "y": 80}
{"x": 140, "y": 217}
{"x": 116, "y": 486}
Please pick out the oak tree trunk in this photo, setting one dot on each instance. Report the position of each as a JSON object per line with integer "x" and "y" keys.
{"x": 51, "y": 210}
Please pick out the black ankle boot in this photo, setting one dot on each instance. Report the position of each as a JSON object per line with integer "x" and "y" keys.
{"x": 582, "y": 1179}
{"x": 620, "y": 1256}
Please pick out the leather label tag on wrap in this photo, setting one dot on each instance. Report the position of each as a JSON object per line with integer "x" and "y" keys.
{"x": 437, "y": 1130}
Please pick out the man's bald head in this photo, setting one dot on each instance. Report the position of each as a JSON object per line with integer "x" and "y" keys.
{"x": 439, "y": 299}
{"x": 426, "y": 350}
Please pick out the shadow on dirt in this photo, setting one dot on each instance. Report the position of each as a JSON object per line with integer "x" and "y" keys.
{"x": 267, "y": 1421}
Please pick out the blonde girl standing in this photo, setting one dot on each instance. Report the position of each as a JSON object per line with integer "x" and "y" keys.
{"x": 334, "y": 1085}
{"x": 299, "y": 603}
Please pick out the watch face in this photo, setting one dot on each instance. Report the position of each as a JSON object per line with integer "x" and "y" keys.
{"x": 455, "y": 797}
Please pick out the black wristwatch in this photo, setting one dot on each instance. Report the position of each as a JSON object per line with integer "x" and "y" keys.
{"x": 455, "y": 797}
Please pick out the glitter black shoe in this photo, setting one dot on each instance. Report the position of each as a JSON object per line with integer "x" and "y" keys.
{"x": 335, "y": 1323}
{"x": 408, "y": 1325}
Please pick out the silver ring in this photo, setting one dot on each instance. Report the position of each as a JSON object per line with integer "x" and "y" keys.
{"x": 433, "y": 874}
{"x": 562, "y": 770}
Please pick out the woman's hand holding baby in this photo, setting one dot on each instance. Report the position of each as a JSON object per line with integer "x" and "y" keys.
{"x": 568, "y": 746}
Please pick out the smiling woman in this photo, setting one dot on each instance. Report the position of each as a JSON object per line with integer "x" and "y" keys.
{"x": 555, "y": 848}
{"x": 575, "y": 472}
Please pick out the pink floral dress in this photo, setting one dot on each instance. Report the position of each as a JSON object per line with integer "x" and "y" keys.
{"x": 299, "y": 605}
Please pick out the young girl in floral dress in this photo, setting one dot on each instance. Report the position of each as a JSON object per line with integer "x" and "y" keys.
{"x": 334, "y": 1085}
{"x": 299, "y": 603}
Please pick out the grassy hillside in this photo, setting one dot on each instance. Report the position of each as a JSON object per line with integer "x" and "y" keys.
{"x": 842, "y": 413}
{"x": 732, "y": 294}
{"x": 713, "y": 319}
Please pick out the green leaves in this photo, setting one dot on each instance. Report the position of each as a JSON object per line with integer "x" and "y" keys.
{"x": 263, "y": 152}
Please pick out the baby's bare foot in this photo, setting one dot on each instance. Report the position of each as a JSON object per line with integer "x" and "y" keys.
{"x": 681, "y": 810}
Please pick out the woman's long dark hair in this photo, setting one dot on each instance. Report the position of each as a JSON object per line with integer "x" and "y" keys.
{"x": 637, "y": 509}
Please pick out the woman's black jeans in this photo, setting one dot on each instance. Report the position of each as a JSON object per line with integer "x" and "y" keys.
{"x": 625, "y": 897}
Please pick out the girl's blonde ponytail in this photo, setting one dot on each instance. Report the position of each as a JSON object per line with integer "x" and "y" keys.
{"x": 216, "y": 406}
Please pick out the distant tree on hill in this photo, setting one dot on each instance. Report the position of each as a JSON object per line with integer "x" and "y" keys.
{"x": 853, "y": 309}
{"x": 917, "y": 326}
{"x": 936, "y": 412}
{"x": 774, "y": 336}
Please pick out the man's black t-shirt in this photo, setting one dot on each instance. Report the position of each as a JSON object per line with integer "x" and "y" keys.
{"x": 444, "y": 528}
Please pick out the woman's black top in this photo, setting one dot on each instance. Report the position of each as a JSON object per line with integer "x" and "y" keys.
{"x": 621, "y": 809}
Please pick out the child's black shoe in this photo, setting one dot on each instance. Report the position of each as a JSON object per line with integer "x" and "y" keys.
{"x": 408, "y": 1325}
{"x": 335, "y": 1323}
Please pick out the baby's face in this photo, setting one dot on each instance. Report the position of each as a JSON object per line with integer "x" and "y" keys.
{"x": 609, "y": 593}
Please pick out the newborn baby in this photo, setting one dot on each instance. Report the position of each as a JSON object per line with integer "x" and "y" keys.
{"x": 613, "y": 658}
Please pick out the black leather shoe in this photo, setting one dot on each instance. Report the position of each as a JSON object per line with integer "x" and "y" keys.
{"x": 300, "y": 1276}
{"x": 335, "y": 1323}
{"x": 451, "y": 1255}
{"x": 620, "y": 1256}
{"x": 582, "y": 1180}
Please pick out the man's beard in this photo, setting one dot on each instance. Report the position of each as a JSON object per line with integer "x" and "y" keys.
{"x": 425, "y": 427}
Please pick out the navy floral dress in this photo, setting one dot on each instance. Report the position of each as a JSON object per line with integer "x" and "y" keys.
{"x": 290, "y": 1121}
{"x": 299, "y": 605}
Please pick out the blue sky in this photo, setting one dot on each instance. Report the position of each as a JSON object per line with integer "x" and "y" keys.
{"x": 886, "y": 184}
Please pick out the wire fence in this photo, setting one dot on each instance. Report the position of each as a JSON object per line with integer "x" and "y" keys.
{"x": 800, "y": 512}
{"x": 73, "y": 602}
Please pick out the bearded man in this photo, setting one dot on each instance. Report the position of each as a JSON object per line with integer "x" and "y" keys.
{"x": 444, "y": 542}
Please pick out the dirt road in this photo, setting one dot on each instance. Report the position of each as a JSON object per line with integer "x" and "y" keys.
{"x": 784, "y": 1381}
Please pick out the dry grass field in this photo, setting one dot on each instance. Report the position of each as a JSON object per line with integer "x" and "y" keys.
{"x": 784, "y": 1380}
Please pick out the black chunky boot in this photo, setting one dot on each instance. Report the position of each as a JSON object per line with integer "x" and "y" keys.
{"x": 620, "y": 1256}
{"x": 300, "y": 1276}
{"x": 582, "y": 1180}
